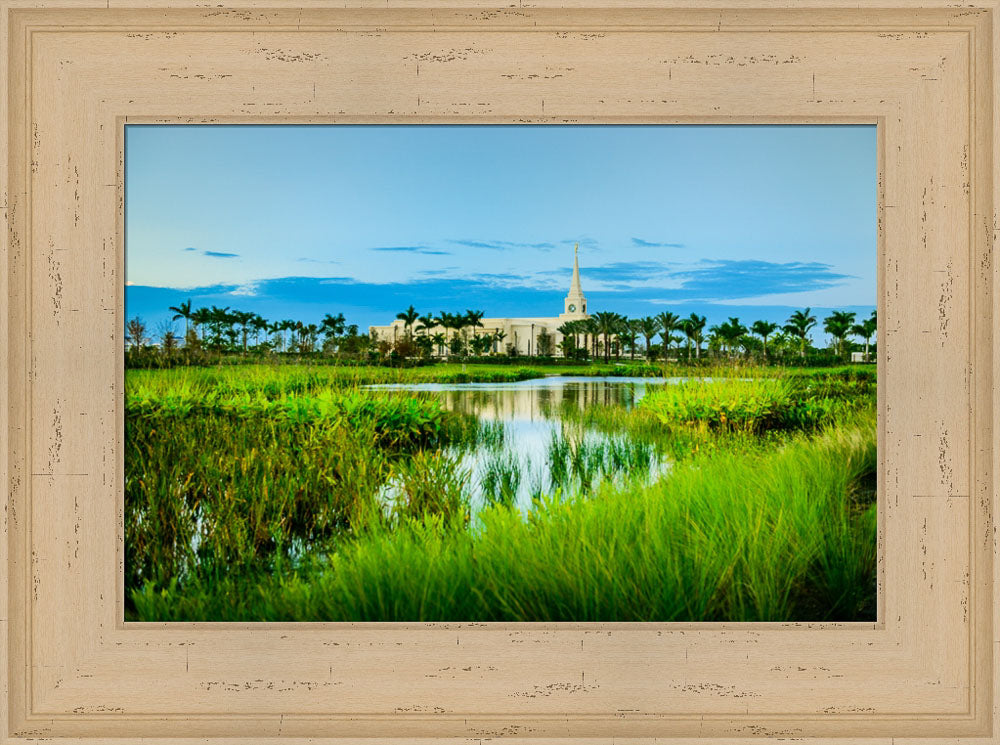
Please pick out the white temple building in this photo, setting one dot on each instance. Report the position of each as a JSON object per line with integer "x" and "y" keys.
{"x": 520, "y": 333}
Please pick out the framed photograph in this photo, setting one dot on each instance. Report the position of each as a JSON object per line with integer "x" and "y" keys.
{"x": 288, "y": 418}
{"x": 569, "y": 372}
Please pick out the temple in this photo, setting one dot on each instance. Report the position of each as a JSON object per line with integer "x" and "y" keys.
{"x": 510, "y": 334}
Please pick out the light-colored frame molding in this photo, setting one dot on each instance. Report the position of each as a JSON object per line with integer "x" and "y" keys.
{"x": 77, "y": 70}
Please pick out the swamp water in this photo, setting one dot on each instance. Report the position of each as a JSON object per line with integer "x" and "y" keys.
{"x": 533, "y": 439}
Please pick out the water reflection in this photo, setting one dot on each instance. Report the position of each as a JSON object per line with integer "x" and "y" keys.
{"x": 533, "y": 442}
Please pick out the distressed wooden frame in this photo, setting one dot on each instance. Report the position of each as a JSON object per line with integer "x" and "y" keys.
{"x": 77, "y": 70}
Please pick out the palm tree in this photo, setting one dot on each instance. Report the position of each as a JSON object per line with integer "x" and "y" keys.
{"x": 629, "y": 332}
{"x": 426, "y": 321}
{"x": 763, "y": 329}
{"x": 730, "y": 333}
{"x": 590, "y": 328}
{"x": 798, "y": 325}
{"x": 458, "y": 322}
{"x": 688, "y": 330}
{"x": 258, "y": 323}
{"x": 572, "y": 332}
{"x": 425, "y": 344}
{"x": 288, "y": 325}
{"x": 780, "y": 341}
{"x": 622, "y": 329}
{"x": 275, "y": 327}
{"x": 446, "y": 321}
{"x": 474, "y": 319}
{"x": 607, "y": 324}
{"x": 439, "y": 340}
{"x": 242, "y": 319}
{"x": 838, "y": 325}
{"x": 201, "y": 317}
{"x": 498, "y": 336}
{"x": 218, "y": 318}
{"x": 298, "y": 331}
{"x": 866, "y": 330}
{"x": 569, "y": 338}
{"x": 669, "y": 323}
{"x": 693, "y": 327}
{"x": 332, "y": 326}
{"x": 309, "y": 334}
{"x": 408, "y": 317}
{"x": 648, "y": 327}
{"x": 715, "y": 339}
{"x": 480, "y": 344}
{"x": 183, "y": 310}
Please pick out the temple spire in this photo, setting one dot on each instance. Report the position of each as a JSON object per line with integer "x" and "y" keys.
{"x": 575, "y": 304}
{"x": 574, "y": 288}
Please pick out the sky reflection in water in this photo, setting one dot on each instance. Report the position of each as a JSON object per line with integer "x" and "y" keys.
{"x": 543, "y": 448}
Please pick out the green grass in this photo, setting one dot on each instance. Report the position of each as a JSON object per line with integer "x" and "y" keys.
{"x": 501, "y": 479}
{"x": 785, "y": 534}
{"x": 756, "y": 404}
{"x": 272, "y": 381}
{"x": 275, "y": 380}
{"x": 294, "y": 493}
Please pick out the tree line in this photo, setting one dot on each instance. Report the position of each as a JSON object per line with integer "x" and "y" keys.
{"x": 610, "y": 333}
{"x": 223, "y": 330}
{"x": 603, "y": 335}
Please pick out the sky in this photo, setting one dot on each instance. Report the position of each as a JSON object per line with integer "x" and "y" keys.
{"x": 294, "y": 222}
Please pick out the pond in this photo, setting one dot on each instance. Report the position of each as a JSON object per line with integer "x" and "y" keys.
{"x": 535, "y": 438}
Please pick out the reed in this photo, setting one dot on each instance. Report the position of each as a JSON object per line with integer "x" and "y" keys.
{"x": 431, "y": 483}
{"x": 789, "y": 533}
{"x": 501, "y": 479}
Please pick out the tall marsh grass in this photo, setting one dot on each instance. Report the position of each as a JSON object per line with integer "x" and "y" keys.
{"x": 501, "y": 478}
{"x": 431, "y": 483}
{"x": 578, "y": 462}
{"x": 258, "y": 493}
{"x": 216, "y": 493}
{"x": 787, "y": 534}
{"x": 225, "y": 481}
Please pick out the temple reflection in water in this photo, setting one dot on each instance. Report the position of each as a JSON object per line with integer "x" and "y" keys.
{"x": 534, "y": 399}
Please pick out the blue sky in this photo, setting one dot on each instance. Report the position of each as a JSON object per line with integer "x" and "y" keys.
{"x": 299, "y": 221}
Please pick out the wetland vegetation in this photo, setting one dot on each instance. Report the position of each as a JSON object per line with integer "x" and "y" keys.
{"x": 646, "y": 491}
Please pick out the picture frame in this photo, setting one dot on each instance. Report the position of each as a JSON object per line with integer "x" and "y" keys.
{"x": 78, "y": 70}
